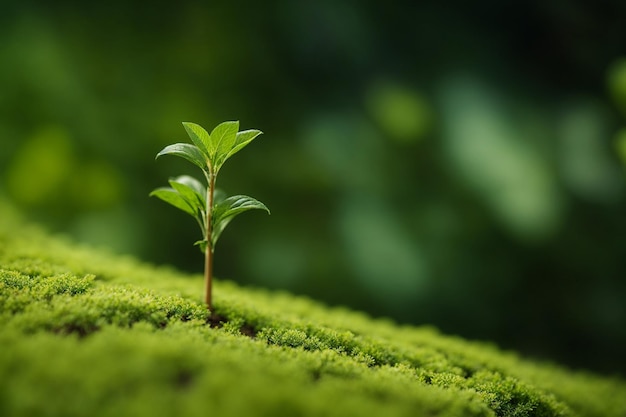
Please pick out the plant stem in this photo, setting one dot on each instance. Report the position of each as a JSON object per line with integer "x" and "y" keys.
{"x": 208, "y": 255}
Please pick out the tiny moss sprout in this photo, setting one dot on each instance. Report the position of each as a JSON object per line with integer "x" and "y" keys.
{"x": 211, "y": 208}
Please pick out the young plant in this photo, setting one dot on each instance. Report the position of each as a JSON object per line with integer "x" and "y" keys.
{"x": 210, "y": 207}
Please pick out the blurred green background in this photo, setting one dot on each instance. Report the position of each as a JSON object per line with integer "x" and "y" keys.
{"x": 445, "y": 163}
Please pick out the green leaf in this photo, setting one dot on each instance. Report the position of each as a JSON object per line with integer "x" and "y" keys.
{"x": 218, "y": 196}
{"x": 243, "y": 138}
{"x": 223, "y": 139}
{"x": 199, "y": 137}
{"x": 224, "y": 211}
{"x": 194, "y": 184}
{"x": 187, "y": 151}
{"x": 171, "y": 196}
{"x": 202, "y": 244}
{"x": 187, "y": 186}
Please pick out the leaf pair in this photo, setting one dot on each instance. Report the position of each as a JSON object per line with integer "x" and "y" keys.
{"x": 209, "y": 152}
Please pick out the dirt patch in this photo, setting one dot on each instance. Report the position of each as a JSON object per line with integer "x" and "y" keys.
{"x": 217, "y": 321}
{"x": 248, "y": 330}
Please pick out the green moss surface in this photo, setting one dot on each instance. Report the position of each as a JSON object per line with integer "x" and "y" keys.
{"x": 84, "y": 332}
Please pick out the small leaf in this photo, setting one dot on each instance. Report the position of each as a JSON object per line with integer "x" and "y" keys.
{"x": 224, "y": 211}
{"x": 243, "y": 138}
{"x": 223, "y": 139}
{"x": 187, "y": 151}
{"x": 171, "y": 196}
{"x": 199, "y": 137}
{"x": 190, "y": 198}
{"x": 194, "y": 184}
{"x": 202, "y": 244}
{"x": 191, "y": 190}
{"x": 218, "y": 196}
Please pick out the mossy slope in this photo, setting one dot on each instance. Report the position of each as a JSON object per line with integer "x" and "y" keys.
{"x": 83, "y": 332}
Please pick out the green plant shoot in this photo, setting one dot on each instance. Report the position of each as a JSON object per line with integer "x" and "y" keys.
{"x": 211, "y": 208}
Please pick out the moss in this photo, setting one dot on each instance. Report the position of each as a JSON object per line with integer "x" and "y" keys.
{"x": 85, "y": 332}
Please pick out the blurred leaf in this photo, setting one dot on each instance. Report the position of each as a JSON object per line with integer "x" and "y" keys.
{"x": 187, "y": 151}
{"x": 617, "y": 83}
{"x": 42, "y": 168}
{"x": 226, "y": 210}
{"x": 620, "y": 145}
{"x": 376, "y": 243}
{"x": 489, "y": 146}
{"x": 96, "y": 185}
{"x": 403, "y": 114}
{"x": 586, "y": 165}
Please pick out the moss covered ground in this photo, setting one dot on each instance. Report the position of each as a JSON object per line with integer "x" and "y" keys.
{"x": 84, "y": 332}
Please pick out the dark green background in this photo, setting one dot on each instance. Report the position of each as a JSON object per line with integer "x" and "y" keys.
{"x": 444, "y": 163}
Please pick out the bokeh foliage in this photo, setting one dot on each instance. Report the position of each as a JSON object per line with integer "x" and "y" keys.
{"x": 451, "y": 164}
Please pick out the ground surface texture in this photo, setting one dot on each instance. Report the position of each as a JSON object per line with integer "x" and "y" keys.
{"x": 84, "y": 332}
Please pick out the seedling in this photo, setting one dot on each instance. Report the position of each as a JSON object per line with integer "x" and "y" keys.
{"x": 210, "y": 207}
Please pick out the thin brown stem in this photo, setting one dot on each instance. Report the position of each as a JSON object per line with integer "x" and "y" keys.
{"x": 208, "y": 255}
